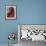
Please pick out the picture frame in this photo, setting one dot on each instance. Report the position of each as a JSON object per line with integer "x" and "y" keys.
{"x": 10, "y": 12}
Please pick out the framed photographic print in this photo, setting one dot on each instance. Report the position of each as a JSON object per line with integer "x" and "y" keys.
{"x": 10, "y": 12}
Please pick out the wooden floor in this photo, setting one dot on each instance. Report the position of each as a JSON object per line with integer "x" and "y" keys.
{"x": 30, "y": 43}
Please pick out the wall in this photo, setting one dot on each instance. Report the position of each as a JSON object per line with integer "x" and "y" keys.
{"x": 28, "y": 12}
{"x": 33, "y": 12}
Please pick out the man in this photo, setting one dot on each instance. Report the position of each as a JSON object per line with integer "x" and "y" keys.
{"x": 10, "y": 12}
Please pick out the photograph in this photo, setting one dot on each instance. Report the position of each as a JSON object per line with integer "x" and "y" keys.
{"x": 10, "y": 12}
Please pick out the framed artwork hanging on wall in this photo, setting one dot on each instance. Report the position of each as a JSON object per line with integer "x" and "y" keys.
{"x": 11, "y": 12}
